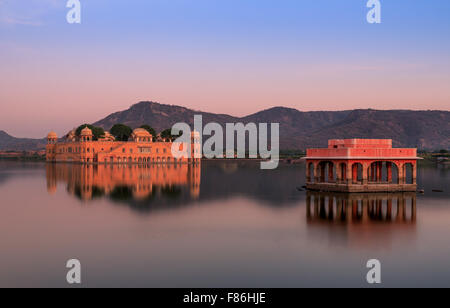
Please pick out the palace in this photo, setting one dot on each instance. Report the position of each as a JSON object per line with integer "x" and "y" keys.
{"x": 361, "y": 165}
{"x": 139, "y": 150}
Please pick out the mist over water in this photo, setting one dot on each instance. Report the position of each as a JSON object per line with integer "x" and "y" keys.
{"x": 221, "y": 224}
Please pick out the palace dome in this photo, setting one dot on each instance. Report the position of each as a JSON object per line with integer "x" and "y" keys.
{"x": 141, "y": 132}
{"x": 52, "y": 135}
{"x": 86, "y": 131}
{"x": 108, "y": 137}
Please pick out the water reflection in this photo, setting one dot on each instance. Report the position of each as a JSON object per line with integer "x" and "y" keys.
{"x": 132, "y": 184}
{"x": 361, "y": 207}
{"x": 362, "y": 218}
{"x": 161, "y": 231}
{"x": 179, "y": 184}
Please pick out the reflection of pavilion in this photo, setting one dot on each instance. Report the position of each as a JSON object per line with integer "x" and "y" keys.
{"x": 362, "y": 208}
{"x": 362, "y": 220}
{"x": 132, "y": 181}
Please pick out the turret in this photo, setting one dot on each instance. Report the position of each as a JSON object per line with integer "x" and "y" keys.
{"x": 196, "y": 147}
{"x": 52, "y": 138}
{"x": 141, "y": 135}
{"x": 86, "y": 134}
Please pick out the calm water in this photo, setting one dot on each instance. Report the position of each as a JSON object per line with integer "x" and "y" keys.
{"x": 221, "y": 225}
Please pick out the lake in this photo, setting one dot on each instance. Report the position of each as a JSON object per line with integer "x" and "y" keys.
{"x": 221, "y": 224}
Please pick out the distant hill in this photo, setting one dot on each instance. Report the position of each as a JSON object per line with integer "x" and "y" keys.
{"x": 299, "y": 130}
{"x": 8, "y": 143}
{"x": 428, "y": 130}
{"x": 159, "y": 116}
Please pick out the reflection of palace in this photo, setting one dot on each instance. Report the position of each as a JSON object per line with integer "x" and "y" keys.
{"x": 134, "y": 181}
{"x": 362, "y": 208}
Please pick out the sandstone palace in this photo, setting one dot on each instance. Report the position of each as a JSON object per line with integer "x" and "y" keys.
{"x": 139, "y": 149}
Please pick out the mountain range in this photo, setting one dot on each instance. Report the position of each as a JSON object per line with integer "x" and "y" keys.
{"x": 299, "y": 130}
{"x": 8, "y": 142}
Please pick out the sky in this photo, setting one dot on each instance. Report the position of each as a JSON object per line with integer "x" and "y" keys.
{"x": 224, "y": 56}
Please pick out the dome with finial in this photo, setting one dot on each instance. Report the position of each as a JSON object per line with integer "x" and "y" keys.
{"x": 141, "y": 135}
{"x": 107, "y": 137}
{"x": 52, "y": 135}
{"x": 141, "y": 132}
{"x": 86, "y": 131}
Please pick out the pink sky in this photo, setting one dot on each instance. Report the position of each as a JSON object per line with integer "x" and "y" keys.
{"x": 210, "y": 57}
{"x": 42, "y": 96}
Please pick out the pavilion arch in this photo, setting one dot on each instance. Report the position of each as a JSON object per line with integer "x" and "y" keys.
{"x": 408, "y": 173}
{"x": 342, "y": 172}
{"x": 325, "y": 171}
{"x": 394, "y": 173}
{"x": 310, "y": 173}
{"x": 383, "y": 172}
{"x": 357, "y": 173}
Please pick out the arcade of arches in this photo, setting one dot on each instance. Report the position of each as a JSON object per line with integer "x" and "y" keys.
{"x": 362, "y": 172}
{"x": 361, "y": 165}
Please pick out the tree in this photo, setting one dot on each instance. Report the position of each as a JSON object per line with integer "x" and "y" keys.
{"x": 121, "y": 132}
{"x": 443, "y": 151}
{"x": 167, "y": 134}
{"x": 149, "y": 129}
{"x": 98, "y": 132}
